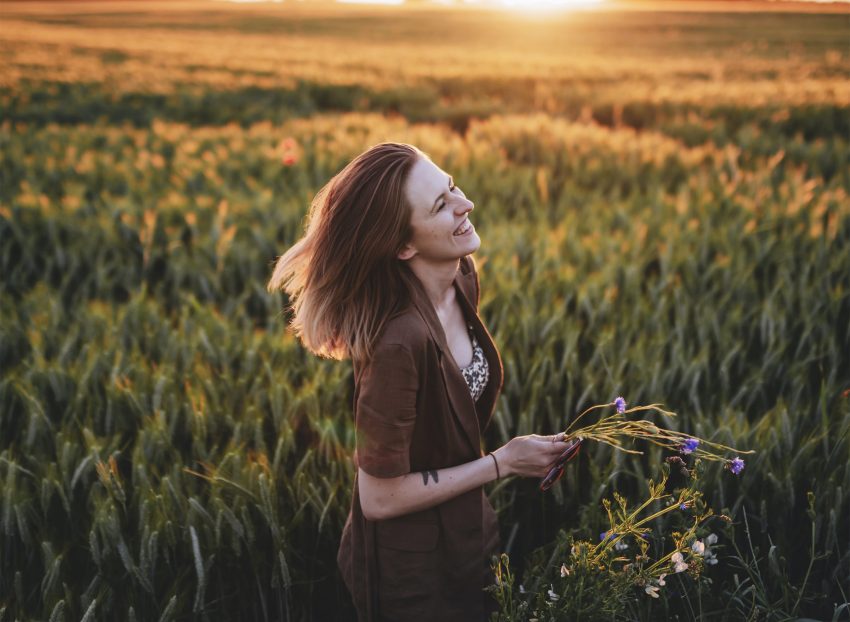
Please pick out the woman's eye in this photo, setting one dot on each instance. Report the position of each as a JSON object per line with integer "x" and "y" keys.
{"x": 443, "y": 204}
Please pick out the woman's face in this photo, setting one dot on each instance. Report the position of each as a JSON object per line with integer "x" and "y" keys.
{"x": 439, "y": 209}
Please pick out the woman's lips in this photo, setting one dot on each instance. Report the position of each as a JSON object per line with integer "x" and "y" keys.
{"x": 469, "y": 229}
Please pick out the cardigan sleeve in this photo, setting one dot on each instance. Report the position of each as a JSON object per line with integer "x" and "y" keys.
{"x": 385, "y": 411}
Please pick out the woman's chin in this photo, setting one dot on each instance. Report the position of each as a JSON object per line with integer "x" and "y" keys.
{"x": 469, "y": 243}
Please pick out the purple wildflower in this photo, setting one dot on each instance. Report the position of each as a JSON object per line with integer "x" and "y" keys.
{"x": 607, "y": 535}
{"x": 689, "y": 446}
{"x": 736, "y": 466}
{"x": 683, "y": 506}
{"x": 620, "y": 404}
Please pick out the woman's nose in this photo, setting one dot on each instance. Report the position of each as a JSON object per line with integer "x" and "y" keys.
{"x": 465, "y": 206}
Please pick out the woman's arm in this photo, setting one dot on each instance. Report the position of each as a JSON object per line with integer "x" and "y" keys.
{"x": 387, "y": 497}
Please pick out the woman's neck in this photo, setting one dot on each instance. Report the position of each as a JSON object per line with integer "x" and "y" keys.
{"x": 437, "y": 280}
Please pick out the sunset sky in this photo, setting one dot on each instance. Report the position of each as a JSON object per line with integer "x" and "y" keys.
{"x": 545, "y": 5}
{"x": 542, "y": 3}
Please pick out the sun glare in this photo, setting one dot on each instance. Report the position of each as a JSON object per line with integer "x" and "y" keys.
{"x": 520, "y": 6}
{"x": 545, "y": 6}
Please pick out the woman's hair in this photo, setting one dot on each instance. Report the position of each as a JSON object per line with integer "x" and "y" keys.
{"x": 343, "y": 277}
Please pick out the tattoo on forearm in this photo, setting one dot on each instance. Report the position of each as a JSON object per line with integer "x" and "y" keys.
{"x": 433, "y": 474}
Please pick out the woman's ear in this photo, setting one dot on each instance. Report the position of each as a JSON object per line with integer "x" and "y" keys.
{"x": 406, "y": 252}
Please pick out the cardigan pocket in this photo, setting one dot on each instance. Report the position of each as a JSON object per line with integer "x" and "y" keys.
{"x": 410, "y": 569}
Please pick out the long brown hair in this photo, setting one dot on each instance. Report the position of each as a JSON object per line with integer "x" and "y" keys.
{"x": 343, "y": 276}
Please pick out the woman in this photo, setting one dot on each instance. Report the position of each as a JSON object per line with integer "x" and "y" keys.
{"x": 384, "y": 275}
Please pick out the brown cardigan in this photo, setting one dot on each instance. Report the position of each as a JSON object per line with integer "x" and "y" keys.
{"x": 414, "y": 412}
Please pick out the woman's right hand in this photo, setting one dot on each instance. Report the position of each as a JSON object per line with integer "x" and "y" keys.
{"x": 532, "y": 455}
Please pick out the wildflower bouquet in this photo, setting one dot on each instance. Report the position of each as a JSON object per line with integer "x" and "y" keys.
{"x": 620, "y": 574}
{"x": 614, "y": 429}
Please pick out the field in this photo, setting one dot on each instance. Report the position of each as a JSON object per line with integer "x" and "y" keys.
{"x": 662, "y": 198}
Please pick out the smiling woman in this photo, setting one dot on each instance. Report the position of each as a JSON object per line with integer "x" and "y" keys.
{"x": 384, "y": 274}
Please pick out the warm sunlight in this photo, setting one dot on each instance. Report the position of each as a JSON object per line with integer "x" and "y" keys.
{"x": 521, "y": 6}
{"x": 545, "y": 6}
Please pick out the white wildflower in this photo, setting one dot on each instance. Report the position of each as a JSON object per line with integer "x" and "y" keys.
{"x": 652, "y": 591}
{"x": 521, "y": 588}
{"x": 661, "y": 580}
{"x": 698, "y": 547}
{"x": 552, "y": 595}
{"x": 709, "y": 556}
{"x": 564, "y": 570}
{"x": 621, "y": 546}
{"x": 679, "y": 564}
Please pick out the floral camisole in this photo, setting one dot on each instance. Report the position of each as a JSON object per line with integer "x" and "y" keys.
{"x": 477, "y": 372}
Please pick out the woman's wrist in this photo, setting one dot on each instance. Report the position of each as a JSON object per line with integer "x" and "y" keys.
{"x": 500, "y": 458}
{"x": 496, "y": 464}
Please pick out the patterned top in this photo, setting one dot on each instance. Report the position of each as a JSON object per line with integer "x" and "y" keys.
{"x": 477, "y": 372}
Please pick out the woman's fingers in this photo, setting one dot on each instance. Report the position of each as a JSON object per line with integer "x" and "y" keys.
{"x": 568, "y": 450}
{"x": 549, "y": 449}
{"x": 559, "y": 444}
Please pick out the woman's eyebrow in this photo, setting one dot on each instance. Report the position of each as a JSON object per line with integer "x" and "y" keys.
{"x": 451, "y": 183}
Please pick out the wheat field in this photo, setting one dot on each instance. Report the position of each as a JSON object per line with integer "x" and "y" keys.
{"x": 662, "y": 198}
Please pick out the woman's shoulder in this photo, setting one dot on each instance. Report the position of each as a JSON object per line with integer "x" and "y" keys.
{"x": 403, "y": 340}
{"x": 404, "y": 328}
